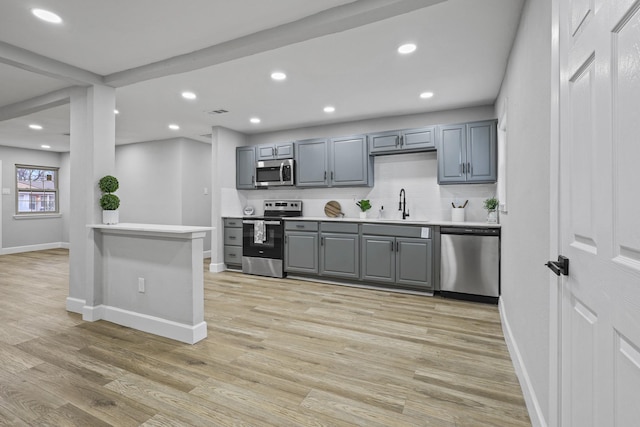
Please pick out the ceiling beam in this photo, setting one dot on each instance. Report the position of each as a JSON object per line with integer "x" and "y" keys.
{"x": 30, "y": 61}
{"x": 33, "y": 105}
{"x": 330, "y": 21}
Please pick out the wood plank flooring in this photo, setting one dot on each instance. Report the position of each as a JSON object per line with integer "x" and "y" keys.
{"x": 279, "y": 353}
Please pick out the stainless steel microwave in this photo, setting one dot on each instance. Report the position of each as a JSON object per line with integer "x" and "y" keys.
{"x": 271, "y": 173}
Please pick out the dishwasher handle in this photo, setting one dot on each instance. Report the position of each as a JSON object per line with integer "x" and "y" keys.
{"x": 475, "y": 231}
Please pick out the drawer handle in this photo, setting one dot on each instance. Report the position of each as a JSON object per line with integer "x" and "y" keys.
{"x": 300, "y": 226}
{"x": 232, "y": 237}
{"x": 232, "y": 255}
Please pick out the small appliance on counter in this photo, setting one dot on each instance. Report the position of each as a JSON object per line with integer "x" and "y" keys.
{"x": 263, "y": 238}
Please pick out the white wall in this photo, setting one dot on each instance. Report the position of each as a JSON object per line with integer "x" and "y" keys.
{"x": 162, "y": 182}
{"x": 526, "y": 95}
{"x": 22, "y": 234}
{"x": 416, "y": 173}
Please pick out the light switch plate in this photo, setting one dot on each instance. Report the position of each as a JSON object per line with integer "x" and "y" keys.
{"x": 6, "y": 191}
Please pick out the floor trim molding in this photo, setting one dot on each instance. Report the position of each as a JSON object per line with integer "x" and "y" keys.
{"x": 531, "y": 400}
{"x": 182, "y": 332}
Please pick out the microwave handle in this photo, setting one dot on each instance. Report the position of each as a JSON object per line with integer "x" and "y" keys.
{"x": 281, "y": 167}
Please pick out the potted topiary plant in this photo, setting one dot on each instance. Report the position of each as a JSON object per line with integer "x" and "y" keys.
{"x": 364, "y": 206}
{"x": 109, "y": 202}
{"x": 491, "y": 205}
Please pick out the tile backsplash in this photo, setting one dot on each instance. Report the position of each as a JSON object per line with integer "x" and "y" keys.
{"x": 416, "y": 173}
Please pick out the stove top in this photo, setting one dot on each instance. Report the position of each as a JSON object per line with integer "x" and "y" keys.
{"x": 282, "y": 208}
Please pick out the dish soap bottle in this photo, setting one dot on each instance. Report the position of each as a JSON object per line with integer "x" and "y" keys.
{"x": 381, "y": 212}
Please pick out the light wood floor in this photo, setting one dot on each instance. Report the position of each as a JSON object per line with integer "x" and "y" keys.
{"x": 279, "y": 353}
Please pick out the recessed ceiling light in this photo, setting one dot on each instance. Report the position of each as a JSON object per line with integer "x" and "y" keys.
{"x": 407, "y": 48}
{"x": 35, "y": 127}
{"x": 278, "y": 75}
{"x": 174, "y": 127}
{"x": 426, "y": 95}
{"x": 45, "y": 146}
{"x": 47, "y": 16}
{"x": 329, "y": 109}
{"x": 116, "y": 112}
{"x": 254, "y": 120}
{"x": 188, "y": 95}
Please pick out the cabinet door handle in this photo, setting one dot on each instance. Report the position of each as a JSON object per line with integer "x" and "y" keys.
{"x": 469, "y": 170}
{"x": 397, "y": 247}
{"x": 322, "y": 241}
{"x": 462, "y": 164}
{"x": 325, "y": 175}
{"x": 331, "y": 175}
{"x": 401, "y": 140}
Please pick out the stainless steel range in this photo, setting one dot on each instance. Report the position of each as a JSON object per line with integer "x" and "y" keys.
{"x": 263, "y": 238}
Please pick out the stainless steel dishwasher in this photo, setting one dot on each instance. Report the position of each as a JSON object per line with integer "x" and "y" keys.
{"x": 470, "y": 263}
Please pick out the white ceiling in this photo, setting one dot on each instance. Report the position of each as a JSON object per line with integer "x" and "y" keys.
{"x": 335, "y": 52}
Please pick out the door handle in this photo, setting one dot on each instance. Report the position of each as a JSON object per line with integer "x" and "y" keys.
{"x": 559, "y": 267}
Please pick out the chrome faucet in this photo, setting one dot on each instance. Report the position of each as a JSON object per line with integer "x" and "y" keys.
{"x": 403, "y": 204}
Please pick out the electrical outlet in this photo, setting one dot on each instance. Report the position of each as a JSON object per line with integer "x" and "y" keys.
{"x": 206, "y": 191}
{"x": 6, "y": 191}
{"x": 141, "y": 284}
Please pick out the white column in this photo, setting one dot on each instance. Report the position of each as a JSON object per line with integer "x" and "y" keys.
{"x": 217, "y": 250}
{"x": 92, "y": 156}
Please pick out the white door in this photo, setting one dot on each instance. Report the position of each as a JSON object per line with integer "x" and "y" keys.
{"x": 599, "y": 217}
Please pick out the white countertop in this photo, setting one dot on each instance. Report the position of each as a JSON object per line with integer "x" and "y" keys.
{"x": 151, "y": 228}
{"x": 396, "y": 221}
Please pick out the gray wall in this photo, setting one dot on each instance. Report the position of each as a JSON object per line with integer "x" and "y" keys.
{"x": 29, "y": 232}
{"x": 526, "y": 94}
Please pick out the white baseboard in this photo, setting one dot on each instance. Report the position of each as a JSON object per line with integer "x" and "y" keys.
{"x": 154, "y": 325}
{"x": 32, "y": 248}
{"x": 206, "y": 254}
{"x": 531, "y": 400}
{"x": 75, "y": 305}
{"x": 217, "y": 267}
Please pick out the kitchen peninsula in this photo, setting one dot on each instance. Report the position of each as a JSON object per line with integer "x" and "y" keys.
{"x": 150, "y": 277}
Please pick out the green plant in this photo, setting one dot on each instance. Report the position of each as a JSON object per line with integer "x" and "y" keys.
{"x": 109, "y": 202}
{"x": 109, "y": 184}
{"x": 364, "y": 205}
{"x": 491, "y": 204}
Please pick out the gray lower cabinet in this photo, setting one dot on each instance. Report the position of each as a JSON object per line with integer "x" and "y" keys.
{"x": 402, "y": 260}
{"x": 403, "y": 141}
{"x": 467, "y": 153}
{"x": 245, "y": 168}
{"x": 233, "y": 242}
{"x": 301, "y": 247}
{"x": 339, "y": 250}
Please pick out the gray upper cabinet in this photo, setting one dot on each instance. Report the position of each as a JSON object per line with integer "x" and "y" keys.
{"x": 467, "y": 153}
{"x": 245, "y": 168}
{"x": 311, "y": 163}
{"x": 274, "y": 151}
{"x": 333, "y": 163}
{"x": 350, "y": 163}
{"x": 403, "y": 141}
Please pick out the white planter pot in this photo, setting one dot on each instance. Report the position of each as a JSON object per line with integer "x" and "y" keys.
{"x": 363, "y": 215}
{"x": 110, "y": 217}
{"x": 492, "y": 217}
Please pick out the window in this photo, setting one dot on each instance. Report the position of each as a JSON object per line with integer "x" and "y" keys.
{"x": 36, "y": 189}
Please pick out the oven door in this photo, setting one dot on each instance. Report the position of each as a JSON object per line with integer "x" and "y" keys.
{"x": 268, "y": 245}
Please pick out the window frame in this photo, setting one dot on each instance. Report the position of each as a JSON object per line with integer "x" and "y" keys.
{"x": 54, "y": 191}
